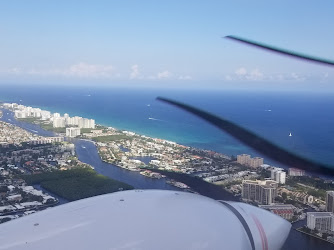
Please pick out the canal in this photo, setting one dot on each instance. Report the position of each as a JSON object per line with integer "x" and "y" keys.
{"x": 87, "y": 153}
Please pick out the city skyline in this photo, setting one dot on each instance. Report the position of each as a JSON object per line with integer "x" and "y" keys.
{"x": 174, "y": 44}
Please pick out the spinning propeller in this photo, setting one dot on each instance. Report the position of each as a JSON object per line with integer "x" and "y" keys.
{"x": 251, "y": 139}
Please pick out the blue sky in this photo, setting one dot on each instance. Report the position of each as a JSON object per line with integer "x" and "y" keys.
{"x": 165, "y": 43}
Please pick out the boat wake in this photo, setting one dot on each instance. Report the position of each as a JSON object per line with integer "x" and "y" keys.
{"x": 154, "y": 119}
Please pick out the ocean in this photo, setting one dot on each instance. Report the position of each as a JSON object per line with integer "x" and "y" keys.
{"x": 309, "y": 117}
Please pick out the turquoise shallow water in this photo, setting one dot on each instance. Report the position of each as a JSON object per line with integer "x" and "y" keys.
{"x": 309, "y": 117}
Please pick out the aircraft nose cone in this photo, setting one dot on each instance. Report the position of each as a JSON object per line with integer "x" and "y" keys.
{"x": 269, "y": 230}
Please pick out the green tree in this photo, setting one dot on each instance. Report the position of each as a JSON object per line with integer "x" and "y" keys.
{"x": 279, "y": 199}
{"x": 284, "y": 195}
{"x": 324, "y": 236}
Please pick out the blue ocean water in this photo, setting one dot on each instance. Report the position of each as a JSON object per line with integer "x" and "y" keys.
{"x": 308, "y": 116}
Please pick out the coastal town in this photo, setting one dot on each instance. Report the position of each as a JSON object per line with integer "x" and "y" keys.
{"x": 290, "y": 193}
{"x": 22, "y": 152}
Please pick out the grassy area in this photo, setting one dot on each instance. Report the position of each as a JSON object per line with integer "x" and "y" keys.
{"x": 86, "y": 130}
{"x": 29, "y": 119}
{"x": 111, "y": 138}
{"x": 310, "y": 185}
{"x": 310, "y": 181}
{"x": 51, "y": 128}
{"x": 75, "y": 184}
{"x": 46, "y": 126}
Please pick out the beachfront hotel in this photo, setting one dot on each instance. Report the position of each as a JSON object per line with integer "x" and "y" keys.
{"x": 246, "y": 160}
{"x": 262, "y": 192}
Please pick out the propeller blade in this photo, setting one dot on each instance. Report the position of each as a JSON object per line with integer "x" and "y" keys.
{"x": 282, "y": 51}
{"x": 256, "y": 142}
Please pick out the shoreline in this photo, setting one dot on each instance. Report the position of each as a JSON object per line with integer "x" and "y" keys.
{"x": 170, "y": 182}
{"x": 312, "y": 235}
{"x": 186, "y": 144}
{"x": 293, "y": 232}
{"x": 143, "y": 183}
{"x": 111, "y": 135}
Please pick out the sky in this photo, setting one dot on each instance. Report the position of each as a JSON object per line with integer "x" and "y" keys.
{"x": 165, "y": 43}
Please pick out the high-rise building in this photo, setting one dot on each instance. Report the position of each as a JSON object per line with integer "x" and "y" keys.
{"x": 263, "y": 192}
{"x": 76, "y": 120}
{"x": 56, "y": 115}
{"x": 92, "y": 123}
{"x": 296, "y": 172}
{"x": 81, "y": 122}
{"x": 256, "y": 162}
{"x": 59, "y": 122}
{"x": 85, "y": 123}
{"x": 69, "y": 121}
{"x": 20, "y": 114}
{"x": 244, "y": 159}
{"x": 29, "y": 110}
{"x": 277, "y": 174}
{"x": 273, "y": 171}
{"x": 36, "y": 112}
{"x": 45, "y": 115}
{"x": 72, "y": 132}
{"x": 330, "y": 201}
{"x": 280, "y": 177}
{"x": 321, "y": 221}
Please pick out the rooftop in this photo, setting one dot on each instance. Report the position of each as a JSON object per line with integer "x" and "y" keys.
{"x": 320, "y": 214}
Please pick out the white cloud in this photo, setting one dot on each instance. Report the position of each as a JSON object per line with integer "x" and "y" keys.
{"x": 134, "y": 72}
{"x": 186, "y": 77}
{"x": 98, "y": 71}
{"x": 242, "y": 74}
{"x": 160, "y": 75}
{"x": 11, "y": 71}
{"x": 90, "y": 70}
{"x": 228, "y": 78}
{"x": 255, "y": 74}
{"x": 295, "y": 76}
{"x": 82, "y": 70}
{"x": 289, "y": 77}
{"x": 163, "y": 75}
